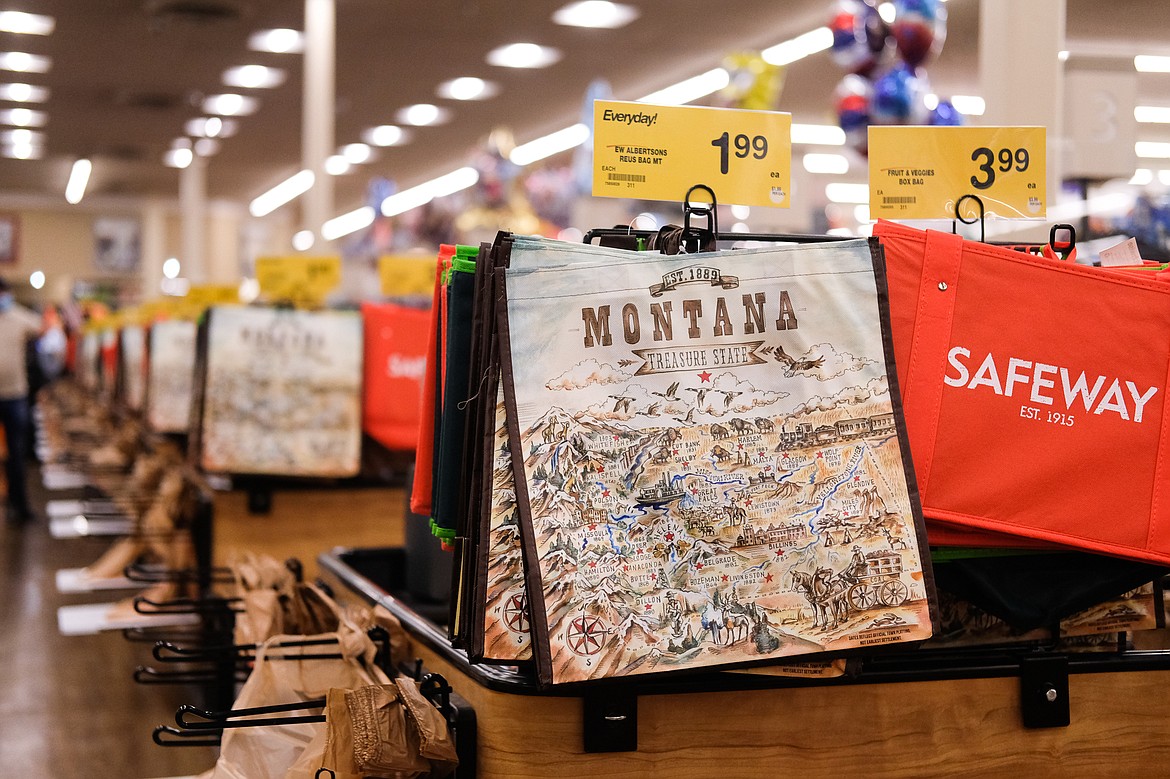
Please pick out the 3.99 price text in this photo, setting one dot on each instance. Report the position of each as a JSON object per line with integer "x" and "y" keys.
{"x": 1003, "y": 160}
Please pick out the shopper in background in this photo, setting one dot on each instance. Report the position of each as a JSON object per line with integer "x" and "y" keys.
{"x": 17, "y": 326}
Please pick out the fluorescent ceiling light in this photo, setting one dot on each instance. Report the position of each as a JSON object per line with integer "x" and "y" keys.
{"x": 548, "y": 145}
{"x": 887, "y": 12}
{"x": 971, "y": 105}
{"x": 279, "y": 41}
{"x": 210, "y": 127}
{"x": 1164, "y": 177}
{"x": 22, "y": 151}
{"x": 206, "y": 147}
{"x": 171, "y": 268}
{"x": 178, "y": 158}
{"x": 690, "y": 89}
{"x": 448, "y": 184}
{"x": 1155, "y": 114}
{"x": 386, "y": 135}
{"x": 284, "y": 192}
{"x": 26, "y": 24}
{"x": 1141, "y": 177}
{"x": 23, "y": 62}
{"x": 840, "y": 192}
{"x": 523, "y": 55}
{"x": 253, "y": 77}
{"x": 833, "y": 164}
{"x": 345, "y": 224}
{"x": 1152, "y": 149}
{"x": 356, "y": 153}
{"x": 861, "y": 213}
{"x": 1149, "y": 63}
{"x": 741, "y": 212}
{"x": 337, "y": 165}
{"x": 22, "y": 137}
{"x": 596, "y": 14}
{"x": 930, "y": 100}
{"x": 22, "y": 117}
{"x": 423, "y": 115}
{"x": 36, "y": 279}
{"x": 23, "y": 93}
{"x": 1062, "y": 55}
{"x": 467, "y": 88}
{"x": 229, "y": 105}
{"x": 78, "y": 180}
{"x": 303, "y": 240}
{"x": 799, "y": 47}
{"x": 818, "y": 134}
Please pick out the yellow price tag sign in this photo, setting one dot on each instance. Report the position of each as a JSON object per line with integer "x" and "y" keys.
{"x": 404, "y": 275}
{"x": 651, "y": 152}
{"x": 922, "y": 172}
{"x": 303, "y": 280}
{"x": 205, "y": 295}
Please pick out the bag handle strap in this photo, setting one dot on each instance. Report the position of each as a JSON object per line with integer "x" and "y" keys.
{"x": 935, "y": 313}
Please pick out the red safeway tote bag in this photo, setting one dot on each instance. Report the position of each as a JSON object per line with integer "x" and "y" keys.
{"x": 396, "y": 346}
{"x": 1034, "y": 392}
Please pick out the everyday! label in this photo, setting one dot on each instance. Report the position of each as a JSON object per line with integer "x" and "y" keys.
{"x": 653, "y": 152}
{"x": 303, "y": 280}
{"x": 923, "y": 172}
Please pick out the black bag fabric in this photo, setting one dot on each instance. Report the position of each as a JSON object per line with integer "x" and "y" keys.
{"x": 1030, "y": 591}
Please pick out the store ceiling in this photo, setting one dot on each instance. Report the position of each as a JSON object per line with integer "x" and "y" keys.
{"x": 127, "y": 74}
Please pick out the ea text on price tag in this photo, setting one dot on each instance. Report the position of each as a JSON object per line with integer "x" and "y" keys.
{"x": 302, "y": 280}
{"x": 653, "y": 152}
{"x": 922, "y": 172}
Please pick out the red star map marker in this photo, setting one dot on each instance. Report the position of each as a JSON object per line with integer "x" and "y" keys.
{"x": 779, "y": 552}
{"x": 698, "y": 566}
{"x": 747, "y": 502}
{"x": 820, "y": 456}
{"x": 592, "y": 526}
{"x": 670, "y": 536}
{"x": 768, "y": 577}
{"x": 605, "y": 493}
{"x": 601, "y": 468}
{"x": 593, "y": 564}
{"x": 625, "y": 567}
{"x": 726, "y": 577}
{"x": 648, "y": 607}
{"x": 856, "y": 478}
{"x": 639, "y": 551}
{"x": 676, "y": 451}
{"x": 739, "y": 446}
{"x": 704, "y": 376}
{"x": 694, "y": 490}
{"x": 686, "y": 463}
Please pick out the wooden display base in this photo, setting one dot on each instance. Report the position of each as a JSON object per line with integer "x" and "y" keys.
{"x": 1119, "y": 724}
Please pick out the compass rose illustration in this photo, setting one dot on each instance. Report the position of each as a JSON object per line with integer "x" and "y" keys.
{"x": 516, "y": 613}
{"x": 586, "y": 635}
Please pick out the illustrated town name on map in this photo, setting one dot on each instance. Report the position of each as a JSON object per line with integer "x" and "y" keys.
{"x": 699, "y": 321}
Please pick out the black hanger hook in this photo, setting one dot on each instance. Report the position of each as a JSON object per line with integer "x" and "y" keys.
{"x": 980, "y": 218}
